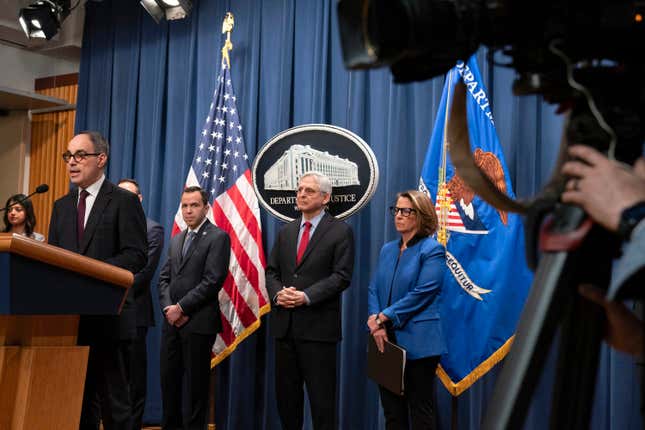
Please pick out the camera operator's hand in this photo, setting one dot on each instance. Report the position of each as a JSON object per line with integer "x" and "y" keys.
{"x": 602, "y": 187}
{"x": 624, "y": 331}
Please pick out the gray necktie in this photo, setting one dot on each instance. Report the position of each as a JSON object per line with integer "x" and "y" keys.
{"x": 187, "y": 242}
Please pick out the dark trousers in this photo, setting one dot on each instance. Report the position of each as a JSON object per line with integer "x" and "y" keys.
{"x": 313, "y": 364}
{"x": 185, "y": 355}
{"x": 138, "y": 365}
{"x": 418, "y": 400}
{"x": 107, "y": 389}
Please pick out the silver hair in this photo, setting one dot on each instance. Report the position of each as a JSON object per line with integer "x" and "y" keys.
{"x": 322, "y": 180}
{"x": 99, "y": 142}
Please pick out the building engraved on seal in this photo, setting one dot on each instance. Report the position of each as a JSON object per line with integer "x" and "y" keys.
{"x": 341, "y": 155}
{"x": 285, "y": 173}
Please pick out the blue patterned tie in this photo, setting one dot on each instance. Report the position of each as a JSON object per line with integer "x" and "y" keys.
{"x": 189, "y": 240}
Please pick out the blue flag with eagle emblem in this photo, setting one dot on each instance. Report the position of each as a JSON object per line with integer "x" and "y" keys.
{"x": 488, "y": 280}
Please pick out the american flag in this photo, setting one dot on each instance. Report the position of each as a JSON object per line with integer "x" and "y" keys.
{"x": 221, "y": 167}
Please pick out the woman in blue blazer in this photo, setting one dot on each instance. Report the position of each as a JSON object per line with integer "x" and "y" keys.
{"x": 403, "y": 307}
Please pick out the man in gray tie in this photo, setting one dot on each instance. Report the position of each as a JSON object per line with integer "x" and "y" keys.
{"x": 189, "y": 285}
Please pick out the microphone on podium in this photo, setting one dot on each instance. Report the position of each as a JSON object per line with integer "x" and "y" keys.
{"x": 42, "y": 188}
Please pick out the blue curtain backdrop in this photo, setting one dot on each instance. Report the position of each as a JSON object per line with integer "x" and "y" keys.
{"x": 147, "y": 87}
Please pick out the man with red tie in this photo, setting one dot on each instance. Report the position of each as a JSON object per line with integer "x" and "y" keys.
{"x": 102, "y": 221}
{"x": 309, "y": 267}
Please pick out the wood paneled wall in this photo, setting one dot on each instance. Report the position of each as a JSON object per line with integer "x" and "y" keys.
{"x": 50, "y": 133}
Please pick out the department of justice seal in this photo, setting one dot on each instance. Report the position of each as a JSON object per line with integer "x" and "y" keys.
{"x": 333, "y": 151}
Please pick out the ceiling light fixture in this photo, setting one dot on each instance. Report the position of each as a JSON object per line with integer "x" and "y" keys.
{"x": 168, "y": 9}
{"x": 42, "y": 19}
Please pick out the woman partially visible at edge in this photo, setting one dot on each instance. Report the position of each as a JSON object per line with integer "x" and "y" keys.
{"x": 19, "y": 217}
{"x": 404, "y": 299}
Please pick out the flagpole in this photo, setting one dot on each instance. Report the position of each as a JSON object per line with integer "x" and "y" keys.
{"x": 444, "y": 209}
{"x": 227, "y": 28}
{"x": 211, "y": 400}
{"x": 453, "y": 413}
{"x": 442, "y": 192}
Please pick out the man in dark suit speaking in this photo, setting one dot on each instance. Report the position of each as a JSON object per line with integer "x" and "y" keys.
{"x": 189, "y": 284}
{"x": 138, "y": 363}
{"x": 102, "y": 221}
{"x": 310, "y": 265}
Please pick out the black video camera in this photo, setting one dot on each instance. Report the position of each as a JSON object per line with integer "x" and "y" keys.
{"x": 601, "y": 41}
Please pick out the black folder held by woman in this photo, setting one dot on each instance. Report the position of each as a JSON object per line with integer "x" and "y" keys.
{"x": 388, "y": 367}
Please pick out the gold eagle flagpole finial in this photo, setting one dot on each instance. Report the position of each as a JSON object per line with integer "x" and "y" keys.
{"x": 227, "y": 27}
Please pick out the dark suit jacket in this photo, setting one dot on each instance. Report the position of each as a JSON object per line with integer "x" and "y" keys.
{"x": 142, "y": 280}
{"x": 323, "y": 273}
{"x": 115, "y": 233}
{"x": 195, "y": 281}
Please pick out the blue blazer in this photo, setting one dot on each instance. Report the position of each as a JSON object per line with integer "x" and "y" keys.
{"x": 414, "y": 281}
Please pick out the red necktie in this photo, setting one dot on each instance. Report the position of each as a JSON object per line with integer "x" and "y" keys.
{"x": 80, "y": 216}
{"x": 304, "y": 241}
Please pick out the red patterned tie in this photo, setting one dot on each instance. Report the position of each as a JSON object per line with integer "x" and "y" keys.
{"x": 304, "y": 241}
{"x": 80, "y": 216}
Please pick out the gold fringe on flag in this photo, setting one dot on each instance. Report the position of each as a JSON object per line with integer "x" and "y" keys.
{"x": 457, "y": 388}
{"x": 239, "y": 338}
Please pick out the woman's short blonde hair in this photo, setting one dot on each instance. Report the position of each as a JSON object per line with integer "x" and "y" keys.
{"x": 427, "y": 221}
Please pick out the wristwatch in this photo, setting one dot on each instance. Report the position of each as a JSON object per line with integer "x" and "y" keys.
{"x": 629, "y": 219}
{"x": 378, "y": 321}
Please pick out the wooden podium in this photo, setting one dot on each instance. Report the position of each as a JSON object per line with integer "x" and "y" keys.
{"x": 43, "y": 290}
